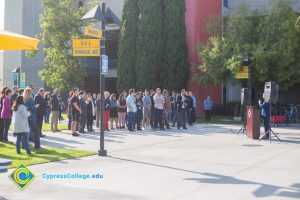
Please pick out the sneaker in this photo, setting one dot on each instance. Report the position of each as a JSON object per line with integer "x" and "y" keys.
{"x": 185, "y": 128}
{"x": 75, "y": 134}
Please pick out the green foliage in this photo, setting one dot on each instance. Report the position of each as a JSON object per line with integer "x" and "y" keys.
{"x": 298, "y": 24}
{"x": 175, "y": 56}
{"x": 152, "y": 46}
{"x": 272, "y": 40}
{"x": 149, "y": 45}
{"x": 127, "y": 46}
{"x": 60, "y": 23}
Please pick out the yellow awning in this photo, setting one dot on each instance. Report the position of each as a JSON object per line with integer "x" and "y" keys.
{"x": 13, "y": 41}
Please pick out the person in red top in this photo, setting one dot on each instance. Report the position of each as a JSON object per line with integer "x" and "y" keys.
{"x": 6, "y": 113}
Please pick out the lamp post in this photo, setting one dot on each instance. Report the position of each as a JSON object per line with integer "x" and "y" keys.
{"x": 247, "y": 61}
{"x": 104, "y": 15}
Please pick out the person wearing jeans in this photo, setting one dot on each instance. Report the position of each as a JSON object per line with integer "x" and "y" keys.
{"x": 55, "y": 111}
{"x": 21, "y": 127}
{"x": 208, "y": 106}
{"x": 131, "y": 110}
{"x": 6, "y": 114}
{"x": 181, "y": 104}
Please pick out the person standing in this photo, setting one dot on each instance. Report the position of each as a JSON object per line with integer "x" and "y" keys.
{"x": 147, "y": 110}
{"x": 208, "y": 106}
{"x": 90, "y": 111}
{"x": 1, "y": 107}
{"x": 159, "y": 102}
{"x": 106, "y": 110}
{"x": 6, "y": 114}
{"x": 113, "y": 112}
{"x": 83, "y": 114}
{"x": 167, "y": 110}
{"x": 265, "y": 113}
{"x": 40, "y": 109}
{"x": 54, "y": 101}
{"x": 98, "y": 108}
{"x": 121, "y": 111}
{"x": 152, "y": 93}
{"x": 69, "y": 110}
{"x": 139, "y": 112}
{"x": 131, "y": 110}
{"x": 181, "y": 104}
{"x": 76, "y": 111}
{"x": 15, "y": 94}
{"x": 47, "y": 107}
{"x": 189, "y": 108}
{"x": 194, "y": 107}
{"x": 20, "y": 122}
{"x": 173, "y": 107}
{"x": 31, "y": 108}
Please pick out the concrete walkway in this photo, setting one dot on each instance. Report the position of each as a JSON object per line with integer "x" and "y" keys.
{"x": 205, "y": 162}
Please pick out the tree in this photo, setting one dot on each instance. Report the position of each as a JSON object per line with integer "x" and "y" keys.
{"x": 60, "y": 23}
{"x": 175, "y": 57}
{"x": 149, "y": 45}
{"x": 127, "y": 46}
{"x": 272, "y": 40}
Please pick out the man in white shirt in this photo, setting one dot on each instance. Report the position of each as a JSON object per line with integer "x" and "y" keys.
{"x": 159, "y": 101}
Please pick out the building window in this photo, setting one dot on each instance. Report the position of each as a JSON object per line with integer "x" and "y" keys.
{"x": 225, "y": 3}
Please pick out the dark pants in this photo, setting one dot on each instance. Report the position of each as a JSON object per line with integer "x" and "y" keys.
{"x": 25, "y": 142}
{"x": 90, "y": 120}
{"x": 6, "y": 125}
{"x": 181, "y": 118}
{"x": 266, "y": 125}
{"x": 34, "y": 133}
{"x": 152, "y": 117}
{"x": 174, "y": 115}
{"x": 131, "y": 119}
{"x": 158, "y": 118}
{"x": 207, "y": 116}
{"x": 193, "y": 115}
{"x": 1, "y": 129}
{"x": 70, "y": 121}
{"x": 39, "y": 121}
{"x": 139, "y": 118}
{"x": 189, "y": 115}
{"x": 82, "y": 121}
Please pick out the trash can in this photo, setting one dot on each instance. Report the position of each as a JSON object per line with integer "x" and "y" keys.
{"x": 253, "y": 122}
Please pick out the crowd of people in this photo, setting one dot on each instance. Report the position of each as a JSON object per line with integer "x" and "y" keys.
{"x": 136, "y": 111}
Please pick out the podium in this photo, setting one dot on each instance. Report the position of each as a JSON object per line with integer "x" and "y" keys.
{"x": 253, "y": 122}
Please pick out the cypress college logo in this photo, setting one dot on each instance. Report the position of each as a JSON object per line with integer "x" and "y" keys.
{"x": 22, "y": 177}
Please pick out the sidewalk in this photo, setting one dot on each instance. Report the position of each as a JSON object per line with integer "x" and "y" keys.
{"x": 205, "y": 162}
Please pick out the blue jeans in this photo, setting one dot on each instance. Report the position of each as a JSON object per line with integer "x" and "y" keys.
{"x": 35, "y": 133}
{"x": 47, "y": 115}
{"x": 6, "y": 125}
{"x": 131, "y": 120}
{"x": 189, "y": 115}
{"x": 174, "y": 115}
{"x": 25, "y": 142}
{"x": 266, "y": 124}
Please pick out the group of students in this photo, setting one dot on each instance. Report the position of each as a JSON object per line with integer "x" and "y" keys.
{"x": 27, "y": 112}
{"x": 142, "y": 110}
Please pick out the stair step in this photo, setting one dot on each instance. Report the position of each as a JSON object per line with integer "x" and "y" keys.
{"x": 5, "y": 162}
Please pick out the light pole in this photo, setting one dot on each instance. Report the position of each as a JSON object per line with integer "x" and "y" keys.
{"x": 104, "y": 15}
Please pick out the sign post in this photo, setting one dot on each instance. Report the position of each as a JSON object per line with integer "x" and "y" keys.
{"x": 22, "y": 80}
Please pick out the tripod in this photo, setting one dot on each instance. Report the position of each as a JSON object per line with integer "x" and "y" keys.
{"x": 270, "y": 131}
{"x": 244, "y": 127}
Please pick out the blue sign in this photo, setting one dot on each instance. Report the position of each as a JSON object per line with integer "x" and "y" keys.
{"x": 68, "y": 43}
{"x": 104, "y": 65}
{"x": 22, "y": 86}
{"x": 16, "y": 79}
{"x": 69, "y": 52}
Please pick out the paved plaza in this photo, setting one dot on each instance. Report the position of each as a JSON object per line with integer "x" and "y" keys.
{"x": 204, "y": 162}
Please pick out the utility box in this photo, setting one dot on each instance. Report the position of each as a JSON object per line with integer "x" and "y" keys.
{"x": 253, "y": 122}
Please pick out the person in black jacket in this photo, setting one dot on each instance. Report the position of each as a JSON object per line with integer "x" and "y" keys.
{"x": 181, "y": 104}
{"x": 55, "y": 111}
{"x": 189, "y": 108}
{"x": 90, "y": 110}
{"x": 40, "y": 105}
{"x": 83, "y": 114}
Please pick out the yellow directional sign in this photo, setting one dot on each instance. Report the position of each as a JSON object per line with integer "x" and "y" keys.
{"x": 86, "y": 43}
{"x": 93, "y": 32}
{"x": 243, "y": 73}
{"x": 86, "y": 52}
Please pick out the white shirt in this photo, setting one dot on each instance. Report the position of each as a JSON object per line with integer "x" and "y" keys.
{"x": 158, "y": 99}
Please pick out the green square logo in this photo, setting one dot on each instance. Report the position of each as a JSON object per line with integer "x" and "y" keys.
{"x": 22, "y": 177}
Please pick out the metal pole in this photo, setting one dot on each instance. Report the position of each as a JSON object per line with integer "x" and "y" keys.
{"x": 102, "y": 151}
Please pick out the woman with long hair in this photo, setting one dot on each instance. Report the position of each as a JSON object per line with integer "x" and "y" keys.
{"x": 6, "y": 113}
{"x": 113, "y": 112}
{"x": 21, "y": 127}
{"x": 2, "y": 93}
{"x": 31, "y": 108}
{"x": 122, "y": 108}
